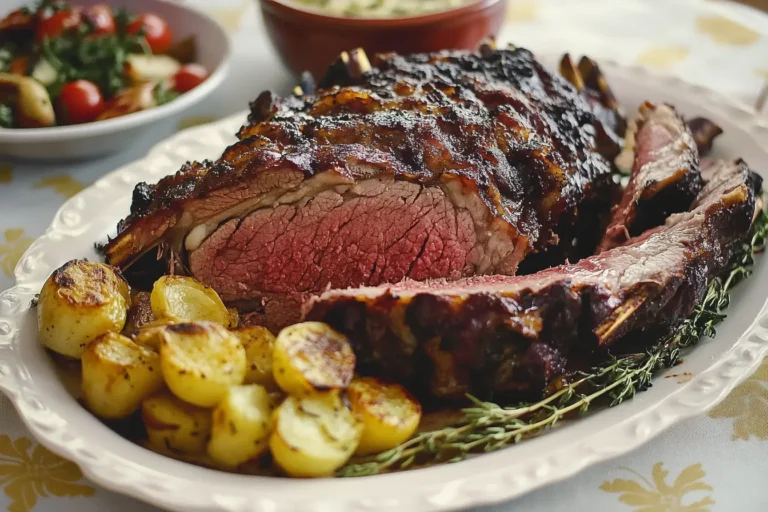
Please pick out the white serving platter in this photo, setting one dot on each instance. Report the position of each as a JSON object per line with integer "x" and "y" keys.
{"x": 56, "y": 419}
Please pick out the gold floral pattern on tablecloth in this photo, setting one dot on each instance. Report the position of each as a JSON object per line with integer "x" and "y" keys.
{"x": 725, "y": 31}
{"x": 663, "y": 56}
{"x": 522, "y": 11}
{"x": 12, "y": 249}
{"x": 762, "y": 72}
{"x": 747, "y": 405}
{"x": 62, "y": 184}
{"x": 30, "y": 472}
{"x": 656, "y": 495}
{"x": 6, "y": 174}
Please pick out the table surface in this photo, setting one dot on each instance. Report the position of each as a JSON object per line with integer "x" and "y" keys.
{"x": 715, "y": 462}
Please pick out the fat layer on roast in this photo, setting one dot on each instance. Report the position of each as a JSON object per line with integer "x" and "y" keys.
{"x": 495, "y": 335}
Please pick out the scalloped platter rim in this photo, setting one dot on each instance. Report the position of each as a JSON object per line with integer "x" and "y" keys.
{"x": 54, "y": 417}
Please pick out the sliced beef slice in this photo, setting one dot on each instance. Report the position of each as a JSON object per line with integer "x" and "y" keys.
{"x": 665, "y": 174}
{"x": 508, "y": 335}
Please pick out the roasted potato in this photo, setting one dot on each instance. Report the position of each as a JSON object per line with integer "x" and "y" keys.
{"x": 259, "y": 345}
{"x": 241, "y": 425}
{"x": 312, "y": 357}
{"x": 141, "y": 67}
{"x": 32, "y": 104}
{"x": 132, "y": 99}
{"x": 175, "y": 424}
{"x": 389, "y": 414}
{"x": 200, "y": 361}
{"x": 313, "y": 435}
{"x": 118, "y": 374}
{"x": 78, "y": 303}
{"x": 183, "y": 299}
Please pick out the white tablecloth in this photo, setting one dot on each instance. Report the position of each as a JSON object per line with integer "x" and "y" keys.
{"x": 715, "y": 462}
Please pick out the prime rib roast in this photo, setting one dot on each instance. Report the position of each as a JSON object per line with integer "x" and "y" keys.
{"x": 464, "y": 194}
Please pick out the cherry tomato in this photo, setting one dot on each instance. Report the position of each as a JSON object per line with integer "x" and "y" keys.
{"x": 53, "y": 24}
{"x": 100, "y": 19}
{"x": 80, "y": 102}
{"x": 156, "y": 31}
{"x": 189, "y": 77}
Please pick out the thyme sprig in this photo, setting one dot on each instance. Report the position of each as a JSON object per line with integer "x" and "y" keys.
{"x": 487, "y": 426}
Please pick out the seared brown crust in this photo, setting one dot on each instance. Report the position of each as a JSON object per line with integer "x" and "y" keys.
{"x": 506, "y": 335}
{"x": 495, "y": 120}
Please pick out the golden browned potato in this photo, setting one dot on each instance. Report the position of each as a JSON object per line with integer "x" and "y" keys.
{"x": 259, "y": 344}
{"x": 313, "y": 435}
{"x": 310, "y": 357}
{"x": 118, "y": 374}
{"x": 175, "y": 424}
{"x": 389, "y": 414}
{"x": 33, "y": 108}
{"x": 200, "y": 361}
{"x": 241, "y": 425}
{"x": 132, "y": 99}
{"x": 78, "y": 303}
{"x": 184, "y": 299}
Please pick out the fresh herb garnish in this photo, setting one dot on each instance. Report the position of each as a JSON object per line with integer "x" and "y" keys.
{"x": 6, "y": 116}
{"x": 488, "y": 426}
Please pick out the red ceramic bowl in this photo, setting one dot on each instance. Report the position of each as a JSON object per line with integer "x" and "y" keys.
{"x": 308, "y": 41}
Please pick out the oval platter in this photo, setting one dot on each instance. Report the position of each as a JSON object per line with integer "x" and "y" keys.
{"x": 54, "y": 417}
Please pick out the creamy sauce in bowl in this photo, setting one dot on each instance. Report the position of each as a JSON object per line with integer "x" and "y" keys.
{"x": 378, "y": 8}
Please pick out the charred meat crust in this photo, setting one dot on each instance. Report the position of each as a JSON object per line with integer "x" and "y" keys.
{"x": 497, "y": 335}
{"x": 523, "y": 138}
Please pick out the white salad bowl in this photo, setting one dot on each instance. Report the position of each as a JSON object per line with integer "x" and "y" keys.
{"x": 104, "y": 137}
{"x": 28, "y": 375}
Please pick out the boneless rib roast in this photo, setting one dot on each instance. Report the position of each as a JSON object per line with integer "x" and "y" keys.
{"x": 454, "y": 188}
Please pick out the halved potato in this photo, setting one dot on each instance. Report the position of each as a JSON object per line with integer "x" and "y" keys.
{"x": 389, "y": 414}
{"x": 241, "y": 425}
{"x": 200, "y": 361}
{"x": 175, "y": 424}
{"x": 313, "y": 435}
{"x": 78, "y": 303}
{"x": 184, "y": 299}
{"x": 140, "y": 67}
{"x": 118, "y": 374}
{"x": 259, "y": 345}
{"x": 30, "y": 99}
{"x": 310, "y": 357}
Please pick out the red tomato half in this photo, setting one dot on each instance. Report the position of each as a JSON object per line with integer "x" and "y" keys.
{"x": 156, "y": 31}
{"x": 189, "y": 77}
{"x": 80, "y": 102}
{"x": 100, "y": 19}
{"x": 53, "y": 24}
